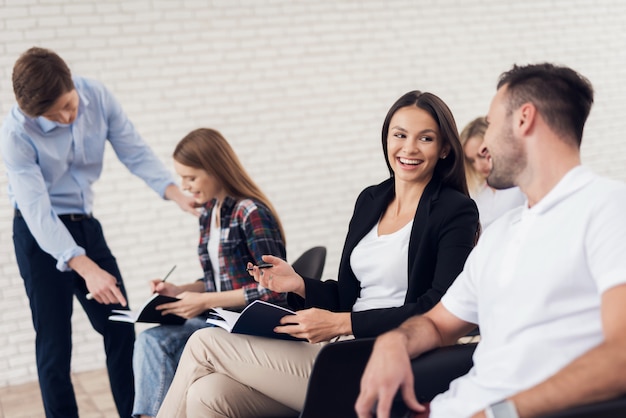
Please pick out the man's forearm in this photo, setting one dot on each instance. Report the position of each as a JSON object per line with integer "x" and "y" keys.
{"x": 172, "y": 192}
{"x": 593, "y": 377}
{"x": 436, "y": 328}
{"x": 82, "y": 265}
{"x": 420, "y": 334}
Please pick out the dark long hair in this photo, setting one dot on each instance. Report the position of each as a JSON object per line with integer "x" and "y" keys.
{"x": 450, "y": 170}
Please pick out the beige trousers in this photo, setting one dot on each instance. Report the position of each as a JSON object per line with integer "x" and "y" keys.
{"x": 231, "y": 375}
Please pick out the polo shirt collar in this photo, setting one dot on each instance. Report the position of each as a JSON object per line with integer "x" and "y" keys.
{"x": 575, "y": 179}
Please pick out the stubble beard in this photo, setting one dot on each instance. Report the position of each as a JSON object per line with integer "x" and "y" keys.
{"x": 507, "y": 164}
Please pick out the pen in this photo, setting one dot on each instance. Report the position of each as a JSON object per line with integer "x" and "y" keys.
{"x": 261, "y": 266}
{"x": 90, "y": 296}
{"x": 168, "y": 273}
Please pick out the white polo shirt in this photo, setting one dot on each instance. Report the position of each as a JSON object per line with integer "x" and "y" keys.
{"x": 533, "y": 284}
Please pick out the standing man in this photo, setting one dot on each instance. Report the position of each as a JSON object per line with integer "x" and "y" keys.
{"x": 546, "y": 282}
{"x": 52, "y": 143}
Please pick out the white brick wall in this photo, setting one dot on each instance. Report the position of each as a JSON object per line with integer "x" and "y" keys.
{"x": 300, "y": 88}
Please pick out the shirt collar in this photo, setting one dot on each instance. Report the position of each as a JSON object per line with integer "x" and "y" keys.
{"x": 575, "y": 179}
{"x": 48, "y": 125}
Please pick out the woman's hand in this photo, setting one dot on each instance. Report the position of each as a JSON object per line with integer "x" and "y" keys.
{"x": 316, "y": 325}
{"x": 164, "y": 288}
{"x": 280, "y": 278}
{"x": 190, "y": 304}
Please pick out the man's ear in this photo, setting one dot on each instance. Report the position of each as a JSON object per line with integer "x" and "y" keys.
{"x": 526, "y": 116}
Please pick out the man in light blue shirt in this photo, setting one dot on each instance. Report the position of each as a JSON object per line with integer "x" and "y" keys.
{"x": 52, "y": 143}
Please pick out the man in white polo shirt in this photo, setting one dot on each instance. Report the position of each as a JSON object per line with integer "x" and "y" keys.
{"x": 546, "y": 282}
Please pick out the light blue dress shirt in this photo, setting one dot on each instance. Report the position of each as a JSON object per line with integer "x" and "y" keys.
{"x": 51, "y": 166}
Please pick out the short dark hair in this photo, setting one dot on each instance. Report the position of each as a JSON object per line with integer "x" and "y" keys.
{"x": 561, "y": 95}
{"x": 40, "y": 77}
{"x": 450, "y": 170}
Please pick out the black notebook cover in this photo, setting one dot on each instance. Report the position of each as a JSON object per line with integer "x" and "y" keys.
{"x": 258, "y": 318}
{"x": 148, "y": 313}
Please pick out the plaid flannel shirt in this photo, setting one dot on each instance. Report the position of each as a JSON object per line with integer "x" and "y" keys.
{"x": 247, "y": 231}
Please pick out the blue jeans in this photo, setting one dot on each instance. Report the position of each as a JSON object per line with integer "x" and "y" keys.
{"x": 157, "y": 351}
{"x": 50, "y": 294}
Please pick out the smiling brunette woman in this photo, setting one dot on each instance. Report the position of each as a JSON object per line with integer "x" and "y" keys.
{"x": 407, "y": 241}
{"x": 237, "y": 226}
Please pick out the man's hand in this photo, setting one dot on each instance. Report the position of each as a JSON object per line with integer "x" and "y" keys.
{"x": 102, "y": 286}
{"x": 388, "y": 369}
{"x": 185, "y": 202}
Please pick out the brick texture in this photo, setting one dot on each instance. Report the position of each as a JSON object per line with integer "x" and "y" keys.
{"x": 300, "y": 88}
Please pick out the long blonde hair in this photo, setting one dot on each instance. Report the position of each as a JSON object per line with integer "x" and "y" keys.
{"x": 208, "y": 150}
{"x": 475, "y": 128}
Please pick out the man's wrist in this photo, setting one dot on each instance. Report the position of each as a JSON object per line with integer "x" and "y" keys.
{"x": 502, "y": 409}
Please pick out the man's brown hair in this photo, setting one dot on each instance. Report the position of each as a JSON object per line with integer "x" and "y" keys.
{"x": 40, "y": 77}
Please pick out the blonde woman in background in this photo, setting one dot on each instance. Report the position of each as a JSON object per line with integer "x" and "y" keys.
{"x": 491, "y": 202}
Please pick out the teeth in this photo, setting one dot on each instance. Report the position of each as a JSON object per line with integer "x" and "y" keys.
{"x": 407, "y": 161}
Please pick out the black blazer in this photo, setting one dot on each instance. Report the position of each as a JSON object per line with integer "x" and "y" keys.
{"x": 443, "y": 234}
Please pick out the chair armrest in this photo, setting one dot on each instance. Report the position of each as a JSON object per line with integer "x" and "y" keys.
{"x": 435, "y": 369}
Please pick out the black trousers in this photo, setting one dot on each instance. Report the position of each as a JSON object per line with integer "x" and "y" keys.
{"x": 50, "y": 293}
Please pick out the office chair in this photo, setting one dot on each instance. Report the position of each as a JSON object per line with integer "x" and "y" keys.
{"x": 311, "y": 263}
{"x": 335, "y": 381}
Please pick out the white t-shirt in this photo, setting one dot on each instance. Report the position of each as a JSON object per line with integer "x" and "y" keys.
{"x": 213, "y": 248}
{"x": 494, "y": 203}
{"x": 534, "y": 284}
{"x": 381, "y": 264}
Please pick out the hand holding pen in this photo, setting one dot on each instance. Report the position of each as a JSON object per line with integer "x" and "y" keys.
{"x": 277, "y": 275}
{"x": 159, "y": 285}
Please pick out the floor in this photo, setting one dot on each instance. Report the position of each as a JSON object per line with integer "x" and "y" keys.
{"x": 92, "y": 393}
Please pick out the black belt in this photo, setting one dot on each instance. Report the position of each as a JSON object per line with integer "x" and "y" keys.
{"x": 74, "y": 217}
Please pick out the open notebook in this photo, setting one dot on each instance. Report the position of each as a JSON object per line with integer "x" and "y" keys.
{"x": 148, "y": 312}
{"x": 258, "y": 318}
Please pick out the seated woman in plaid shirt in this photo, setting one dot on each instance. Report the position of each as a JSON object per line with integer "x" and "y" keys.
{"x": 237, "y": 226}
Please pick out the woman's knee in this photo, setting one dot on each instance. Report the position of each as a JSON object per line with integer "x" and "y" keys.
{"x": 206, "y": 340}
{"x": 205, "y": 399}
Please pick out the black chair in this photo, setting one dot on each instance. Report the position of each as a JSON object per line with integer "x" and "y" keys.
{"x": 311, "y": 263}
{"x": 335, "y": 379}
{"x": 432, "y": 364}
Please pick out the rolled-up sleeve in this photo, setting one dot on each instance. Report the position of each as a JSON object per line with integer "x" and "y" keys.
{"x": 30, "y": 195}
